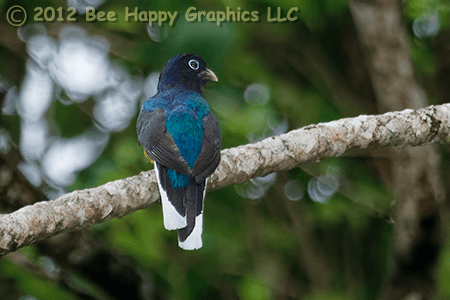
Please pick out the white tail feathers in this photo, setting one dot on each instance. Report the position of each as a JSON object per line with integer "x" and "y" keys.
{"x": 194, "y": 240}
{"x": 172, "y": 218}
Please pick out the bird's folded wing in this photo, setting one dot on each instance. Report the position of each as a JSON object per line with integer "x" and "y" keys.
{"x": 157, "y": 141}
{"x": 209, "y": 157}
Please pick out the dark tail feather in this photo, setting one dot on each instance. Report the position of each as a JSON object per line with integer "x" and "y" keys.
{"x": 172, "y": 200}
{"x": 190, "y": 237}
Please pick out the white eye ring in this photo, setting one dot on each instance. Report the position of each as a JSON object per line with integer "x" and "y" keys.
{"x": 193, "y": 64}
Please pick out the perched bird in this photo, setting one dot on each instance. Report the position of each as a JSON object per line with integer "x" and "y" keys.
{"x": 182, "y": 136}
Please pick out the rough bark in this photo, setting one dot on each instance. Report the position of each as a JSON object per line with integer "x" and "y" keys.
{"x": 81, "y": 209}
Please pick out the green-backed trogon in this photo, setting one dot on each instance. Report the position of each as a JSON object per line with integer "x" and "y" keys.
{"x": 181, "y": 135}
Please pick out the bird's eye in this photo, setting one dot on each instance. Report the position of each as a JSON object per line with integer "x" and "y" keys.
{"x": 194, "y": 64}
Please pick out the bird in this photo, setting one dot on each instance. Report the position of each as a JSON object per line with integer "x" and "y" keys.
{"x": 180, "y": 133}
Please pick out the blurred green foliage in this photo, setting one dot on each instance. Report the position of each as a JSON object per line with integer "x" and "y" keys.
{"x": 270, "y": 248}
{"x": 30, "y": 284}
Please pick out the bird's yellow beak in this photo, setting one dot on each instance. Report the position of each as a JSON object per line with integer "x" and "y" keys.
{"x": 209, "y": 75}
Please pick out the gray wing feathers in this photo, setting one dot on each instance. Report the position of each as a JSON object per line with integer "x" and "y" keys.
{"x": 209, "y": 157}
{"x": 157, "y": 141}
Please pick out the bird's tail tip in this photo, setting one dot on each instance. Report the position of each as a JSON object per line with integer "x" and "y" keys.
{"x": 173, "y": 221}
{"x": 194, "y": 240}
{"x": 190, "y": 245}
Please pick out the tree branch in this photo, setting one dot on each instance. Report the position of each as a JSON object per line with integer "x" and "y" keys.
{"x": 81, "y": 209}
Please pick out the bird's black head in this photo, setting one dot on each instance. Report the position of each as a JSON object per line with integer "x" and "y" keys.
{"x": 185, "y": 70}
